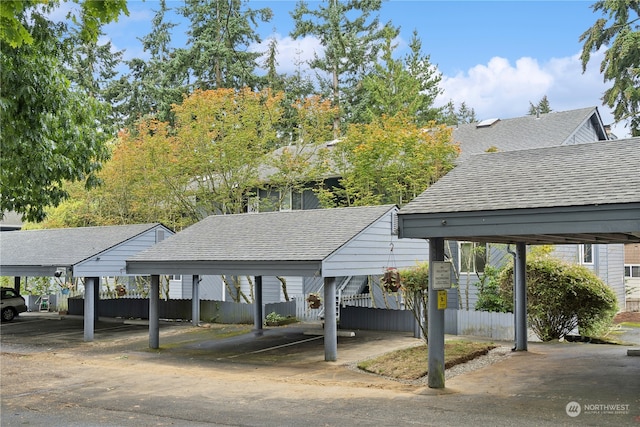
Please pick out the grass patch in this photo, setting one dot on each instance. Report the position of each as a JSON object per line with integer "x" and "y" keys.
{"x": 411, "y": 363}
{"x": 630, "y": 324}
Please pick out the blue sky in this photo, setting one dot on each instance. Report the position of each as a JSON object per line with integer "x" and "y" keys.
{"x": 497, "y": 56}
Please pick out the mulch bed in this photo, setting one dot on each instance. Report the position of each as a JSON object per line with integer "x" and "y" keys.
{"x": 627, "y": 316}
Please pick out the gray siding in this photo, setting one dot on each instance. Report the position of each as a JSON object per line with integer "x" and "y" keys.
{"x": 371, "y": 249}
{"x": 112, "y": 262}
{"x": 615, "y": 272}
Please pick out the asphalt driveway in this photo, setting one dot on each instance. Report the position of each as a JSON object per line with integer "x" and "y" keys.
{"x": 226, "y": 375}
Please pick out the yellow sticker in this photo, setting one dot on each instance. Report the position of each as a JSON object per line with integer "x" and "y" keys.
{"x": 442, "y": 300}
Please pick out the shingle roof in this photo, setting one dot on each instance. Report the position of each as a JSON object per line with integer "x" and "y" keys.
{"x": 571, "y": 175}
{"x": 63, "y": 246}
{"x": 520, "y": 133}
{"x": 302, "y": 235}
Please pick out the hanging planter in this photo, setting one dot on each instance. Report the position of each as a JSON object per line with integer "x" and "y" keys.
{"x": 391, "y": 279}
{"x": 314, "y": 301}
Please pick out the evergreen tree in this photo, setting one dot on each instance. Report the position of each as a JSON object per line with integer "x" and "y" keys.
{"x": 464, "y": 114}
{"x": 220, "y": 33}
{"x": 352, "y": 39}
{"x": 621, "y": 63}
{"x": 396, "y": 86}
{"x": 92, "y": 70}
{"x": 543, "y": 107}
{"x": 155, "y": 84}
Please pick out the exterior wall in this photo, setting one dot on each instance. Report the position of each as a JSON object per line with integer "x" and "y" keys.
{"x": 632, "y": 253}
{"x": 586, "y": 133}
{"x": 112, "y": 262}
{"x": 608, "y": 264}
{"x": 372, "y": 250}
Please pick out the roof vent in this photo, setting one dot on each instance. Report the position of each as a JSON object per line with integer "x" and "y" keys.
{"x": 487, "y": 123}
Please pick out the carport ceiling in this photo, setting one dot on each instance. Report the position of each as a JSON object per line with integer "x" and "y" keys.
{"x": 586, "y": 193}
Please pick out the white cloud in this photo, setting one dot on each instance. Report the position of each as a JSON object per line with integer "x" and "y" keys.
{"x": 292, "y": 54}
{"x": 501, "y": 89}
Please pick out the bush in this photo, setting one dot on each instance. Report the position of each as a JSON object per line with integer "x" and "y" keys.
{"x": 561, "y": 297}
{"x": 415, "y": 285}
{"x": 490, "y": 297}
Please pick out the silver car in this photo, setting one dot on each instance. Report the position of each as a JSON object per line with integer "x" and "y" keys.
{"x": 12, "y": 303}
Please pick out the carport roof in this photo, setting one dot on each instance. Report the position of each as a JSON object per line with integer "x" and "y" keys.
{"x": 22, "y": 252}
{"x": 585, "y": 193}
{"x": 287, "y": 243}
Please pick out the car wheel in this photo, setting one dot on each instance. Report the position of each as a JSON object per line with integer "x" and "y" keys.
{"x": 8, "y": 314}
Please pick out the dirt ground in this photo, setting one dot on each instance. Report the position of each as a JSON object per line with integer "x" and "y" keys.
{"x": 627, "y": 316}
{"x": 50, "y": 377}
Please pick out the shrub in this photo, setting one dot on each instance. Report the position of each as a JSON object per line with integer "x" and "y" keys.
{"x": 561, "y": 297}
{"x": 490, "y": 297}
{"x": 415, "y": 285}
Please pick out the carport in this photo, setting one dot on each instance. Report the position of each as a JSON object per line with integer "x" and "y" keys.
{"x": 325, "y": 243}
{"x": 84, "y": 252}
{"x": 587, "y": 193}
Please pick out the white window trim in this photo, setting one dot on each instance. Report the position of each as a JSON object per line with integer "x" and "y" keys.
{"x": 473, "y": 261}
{"x": 582, "y": 261}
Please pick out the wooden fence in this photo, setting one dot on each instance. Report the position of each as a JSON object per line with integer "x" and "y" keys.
{"x": 498, "y": 326}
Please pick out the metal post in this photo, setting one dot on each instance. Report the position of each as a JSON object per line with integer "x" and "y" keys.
{"x": 89, "y": 308}
{"x": 195, "y": 300}
{"x": 16, "y": 284}
{"x": 435, "y": 333}
{"x": 521, "y": 297}
{"x": 330, "y": 320}
{"x": 96, "y": 301}
{"x": 257, "y": 309}
{"x": 154, "y": 321}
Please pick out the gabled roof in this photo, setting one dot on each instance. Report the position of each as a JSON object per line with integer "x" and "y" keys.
{"x": 583, "y": 193}
{"x": 61, "y": 247}
{"x": 293, "y": 242}
{"x": 528, "y": 132}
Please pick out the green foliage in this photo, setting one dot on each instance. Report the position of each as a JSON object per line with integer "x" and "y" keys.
{"x": 490, "y": 298}
{"x": 561, "y": 297}
{"x": 542, "y": 107}
{"x": 274, "y": 317}
{"x": 351, "y": 36}
{"x": 53, "y": 131}
{"x": 463, "y": 115}
{"x": 390, "y": 160}
{"x": 415, "y": 287}
{"x": 218, "y": 53}
{"x": 621, "y": 63}
{"x": 407, "y": 86}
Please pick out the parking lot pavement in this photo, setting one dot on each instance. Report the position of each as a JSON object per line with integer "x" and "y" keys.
{"x": 227, "y": 375}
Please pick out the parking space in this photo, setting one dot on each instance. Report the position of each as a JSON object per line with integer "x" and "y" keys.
{"x": 241, "y": 373}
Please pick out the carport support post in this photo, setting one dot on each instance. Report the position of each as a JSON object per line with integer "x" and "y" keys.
{"x": 257, "y": 309}
{"x": 435, "y": 333}
{"x": 330, "y": 320}
{"x": 521, "y": 296}
{"x": 154, "y": 322}
{"x": 90, "y": 312}
{"x": 195, "y": 300}
{"x": 16, "y": 284}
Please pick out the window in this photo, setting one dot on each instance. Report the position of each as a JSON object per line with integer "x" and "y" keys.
{"x": 586, "y": 253}
{"x": 473, "y": 257}
{"x": 291, "y": 200}
{"x": 632, "y": 271}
